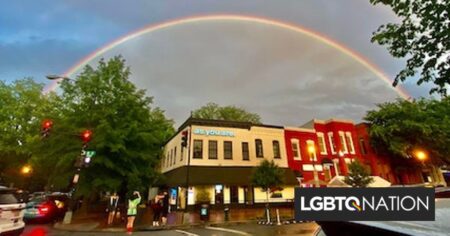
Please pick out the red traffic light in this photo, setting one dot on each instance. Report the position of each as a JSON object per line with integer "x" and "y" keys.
{"x": 47, "y": 124}
{"x": 184, "y": 138}
{"x": 86, "y": 135}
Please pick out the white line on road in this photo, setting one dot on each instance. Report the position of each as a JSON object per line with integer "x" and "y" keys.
{"x": 227, "y": 230}
{"x": 185, "y": 232}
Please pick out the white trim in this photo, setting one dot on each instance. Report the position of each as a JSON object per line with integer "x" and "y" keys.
{"x": 331, "y": 141}
{"x": 321, "y": 139}
{"x": 343, "y": 145}
{"x": 299, "y": 154}
{"x": 310, "y": 167}
{"x": 299, "y": 129}
{"x": 349, "y": 135}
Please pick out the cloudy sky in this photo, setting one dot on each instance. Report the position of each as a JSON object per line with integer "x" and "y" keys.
{"x": 285, "y": 76}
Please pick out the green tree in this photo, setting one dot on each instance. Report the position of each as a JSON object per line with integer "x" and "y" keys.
{"x": 267, "y": 176}
{"x": 127, "y": 132}
{"x": 22, "y": 109}
{"x": 399, "y": 128}
{"x": 359, "y": 176}
{"x": 422, "y": 36}
{"x": 232, "y": 113}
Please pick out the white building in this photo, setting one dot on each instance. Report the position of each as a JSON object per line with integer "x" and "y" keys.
{"x": 220, "y": 157}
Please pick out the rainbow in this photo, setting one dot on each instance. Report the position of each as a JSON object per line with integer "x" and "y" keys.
{"x": 155, "y": 27}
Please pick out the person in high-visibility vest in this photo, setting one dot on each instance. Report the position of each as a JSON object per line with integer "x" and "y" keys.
{"x": 133, "y": 202}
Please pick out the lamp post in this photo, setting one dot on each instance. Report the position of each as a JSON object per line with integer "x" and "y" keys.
{"x": 312, "y": 151}
{"x": 57, "y": 77}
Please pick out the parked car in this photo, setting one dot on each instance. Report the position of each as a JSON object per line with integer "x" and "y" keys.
{"x": 442, "y": 193}
{"x": 11, "y": 213}
{"x": 440, "y": 226}
{"x": 46, "y": 208}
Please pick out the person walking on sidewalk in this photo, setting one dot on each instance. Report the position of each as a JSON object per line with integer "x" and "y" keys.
{"x": 165, "y": 208}
{"x": 112, "y": 207}
{"x": 133, "y": 202}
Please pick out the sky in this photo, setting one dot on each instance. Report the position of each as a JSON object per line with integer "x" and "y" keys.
{"x": 286, "y": 77}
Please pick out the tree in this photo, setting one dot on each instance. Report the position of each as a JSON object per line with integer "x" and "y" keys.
{"x": 422, "y": 37}
{"x": 22, "y": 109}
{"x": 127, "y": 132}
{"x": 267, "y": 176}
{"x": 399, "y": 128}
{"x": 358, "y": 176}
{"x": 232, "y": 113}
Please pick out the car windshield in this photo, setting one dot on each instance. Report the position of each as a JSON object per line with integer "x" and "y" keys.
{"x": 7, "y": 198}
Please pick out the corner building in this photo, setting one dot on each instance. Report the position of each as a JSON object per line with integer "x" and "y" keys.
{"x": 218, "y": 161}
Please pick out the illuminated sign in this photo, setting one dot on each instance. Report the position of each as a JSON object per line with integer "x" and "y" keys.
{"x": 210, "y": 132}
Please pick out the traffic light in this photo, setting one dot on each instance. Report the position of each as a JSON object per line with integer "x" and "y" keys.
{"x": 46, "y": 127}
{"x": 86, "y": 136}
{"x": 184, "y": 138}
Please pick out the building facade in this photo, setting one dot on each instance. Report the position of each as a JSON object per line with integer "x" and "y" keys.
{"x": 218, "y": 161}
{"x": 219, "y": 157}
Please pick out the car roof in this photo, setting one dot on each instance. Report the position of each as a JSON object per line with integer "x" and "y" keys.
{"x": 439, "y": 226}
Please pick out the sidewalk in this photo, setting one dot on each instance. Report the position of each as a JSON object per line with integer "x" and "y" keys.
{"x": 174, "y": 220}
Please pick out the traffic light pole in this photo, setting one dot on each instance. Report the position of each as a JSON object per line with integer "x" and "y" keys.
{"x": 185, "y": 217}
{"x": 68, "y": 215}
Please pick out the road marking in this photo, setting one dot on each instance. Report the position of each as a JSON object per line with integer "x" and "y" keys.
{"x": 227, "y": 230}
{"x": 185, "y": 232}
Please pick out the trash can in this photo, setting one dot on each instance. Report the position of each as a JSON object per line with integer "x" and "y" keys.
{"x": 226, "y": 212}
{"x": 204, "y": 212}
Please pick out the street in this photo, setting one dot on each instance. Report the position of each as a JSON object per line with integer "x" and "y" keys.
{"x": 242, "y": 229}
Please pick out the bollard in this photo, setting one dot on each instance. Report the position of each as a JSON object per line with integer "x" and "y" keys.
{"x": 226, "y": 211}
{"x": 278, "y": 217}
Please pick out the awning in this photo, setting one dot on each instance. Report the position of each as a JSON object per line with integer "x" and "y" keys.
{"x": 207, "y": 175}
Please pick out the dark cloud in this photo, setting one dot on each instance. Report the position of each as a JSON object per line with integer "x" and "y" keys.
{"x": 285, "y": 76}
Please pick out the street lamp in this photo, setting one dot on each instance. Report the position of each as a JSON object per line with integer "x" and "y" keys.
{"x": 421, "y": 155}
{"x": 312, "y": 151}
{"x": 26, "y": 170}
{"x": 57, "y": 77}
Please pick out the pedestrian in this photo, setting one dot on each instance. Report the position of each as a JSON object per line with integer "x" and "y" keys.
{"x": 165, "y": 207}
{"x": 156, "y": 206}
{"x": 112, "y": 207}
{"x": 133, "y": 202}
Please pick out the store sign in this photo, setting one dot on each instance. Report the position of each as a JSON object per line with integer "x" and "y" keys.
{"x": 364, "y": 204}
{"x": 211, "y": 132}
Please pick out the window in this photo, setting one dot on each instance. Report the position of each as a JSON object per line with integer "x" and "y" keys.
{"x": 310, "y": 143}
{"x": 332, "y": 143}
{"x": 174, "y": 155}
{"x": 295, "y": 149}
{"x": 343, "y": 142}
{"x": 171, "y": 157}
{"x": 212, "y": 149}
{"x": 198, "y": 149}
{"x": 259, "y": 148}
{"x": 227, "y": 150}
{"x": 276, "y": 149}
{"x": 181, "y": 153}
{"x": 167, "y": 159}
{"x": 351, "y": 148}
{"x": 362, "y": 144}
{"x": 322, "y": 145}
{"x": 245, "y": 154}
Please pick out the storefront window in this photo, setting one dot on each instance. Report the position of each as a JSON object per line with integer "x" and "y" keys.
{"x": 198, "y": 149}
{"x": 259, "y": 148}
{"x": 212, "y": 149}
{"x": 227, "y": 150}
{"x": 245, "y": 154}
